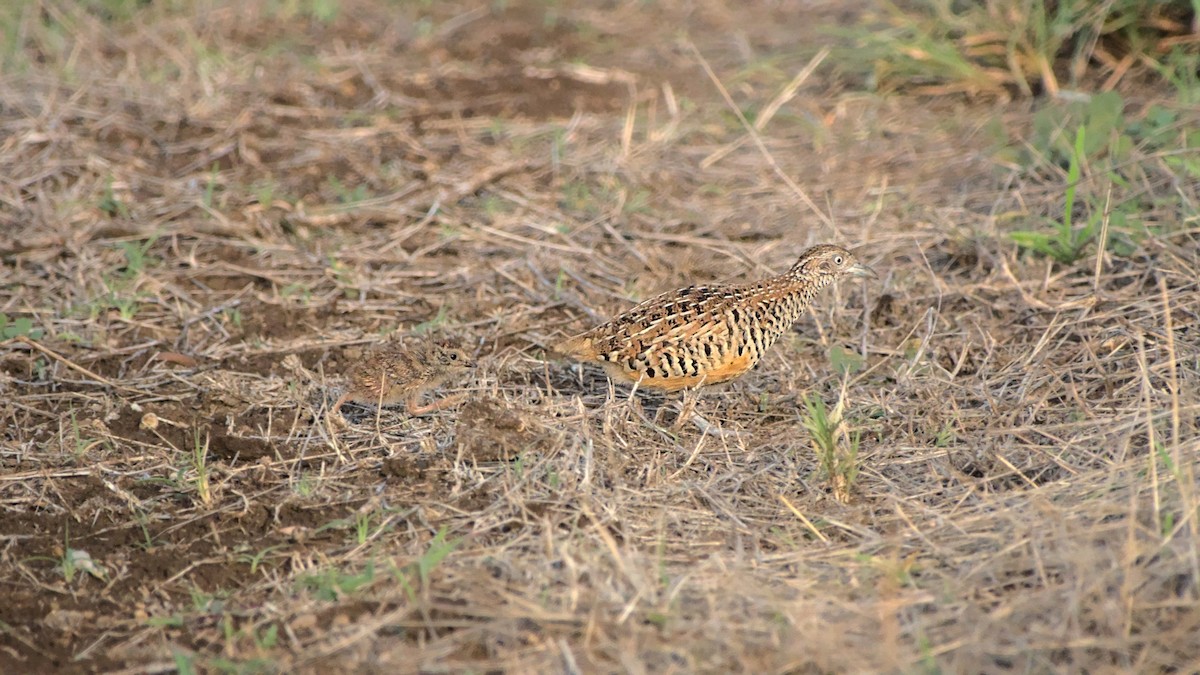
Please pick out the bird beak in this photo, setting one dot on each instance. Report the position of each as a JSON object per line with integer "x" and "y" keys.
{"x": 862, "y": 271}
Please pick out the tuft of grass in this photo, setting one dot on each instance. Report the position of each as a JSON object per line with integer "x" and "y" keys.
{"x": 109, "y": 204}
{"x": 1109, "y": 162}
{"x": 305, "y": 485}
{"x": 265, "y": 192}
{"x": 362, "y": 526}
{"x": 185, "y": 663}
{"x": 436, "y": 322}
{"x": 837, "y": 452}
{"x": 207, "y": 603}
{"x": 233, "y": 315}
{"x": 1181, "y": 69}
{"x": 1065, "y": 242}
{"x": 208, "y": 199}
{"x": 345, "y": 194}
{"x": 245, "y": 640}
{"x": 137, "y": 257}
{"x": 439, "y": 548}
{"x": 300, "y": 292}
{"x": 201, "y": 481}
{"x": 74, "y": 561}
{"x": 79, "y": 444}
{"x": 997, "y": 47}
{"x": 323, "y": 11}
{"x": 945, "y": 436}
{"x": 332, "y": 583}
{"x": 343, "y": 274}
{"x": 120, "y": 288}
{"x": 577, "y": 196}
{"x": 255, "y": 560}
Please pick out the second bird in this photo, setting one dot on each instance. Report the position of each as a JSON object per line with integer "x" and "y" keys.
{"x": 702, "y": 335}
{"x": 396, "y": 374}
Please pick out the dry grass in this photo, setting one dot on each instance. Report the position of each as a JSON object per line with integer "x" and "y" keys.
{"x": 210, "y": 214}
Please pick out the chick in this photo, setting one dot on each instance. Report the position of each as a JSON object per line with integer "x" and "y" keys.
{"x": 396, "y": 374}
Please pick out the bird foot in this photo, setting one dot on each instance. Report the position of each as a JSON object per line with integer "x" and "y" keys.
{"x": 335, "y": 413}
{"x": 439, "y": 404}
{"x": 711, "y": 429}
{"x": 688, "y": 413}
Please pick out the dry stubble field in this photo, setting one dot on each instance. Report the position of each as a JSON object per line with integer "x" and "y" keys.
{"x": 208, "y": 211}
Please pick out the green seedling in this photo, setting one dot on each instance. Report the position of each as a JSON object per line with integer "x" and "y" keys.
{"x": 21, "y": 326}
{"x": 837, "y": 454}
{"x": 1065, "y": 243}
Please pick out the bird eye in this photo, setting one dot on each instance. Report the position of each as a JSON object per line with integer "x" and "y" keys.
{"x": 837, "y": 260}
{"x": 454, "y": 357}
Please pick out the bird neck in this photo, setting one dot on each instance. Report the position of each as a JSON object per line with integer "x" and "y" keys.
{"x": 789, "y": 295}
{"x": 804, "y": 283}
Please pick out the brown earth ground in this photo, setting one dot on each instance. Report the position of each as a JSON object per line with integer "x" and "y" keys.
{"x": 211, "y": 212}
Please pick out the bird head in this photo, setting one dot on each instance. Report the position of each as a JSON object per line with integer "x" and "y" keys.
{"x": 452, "y": 358}
{"x": 826, "y": 263}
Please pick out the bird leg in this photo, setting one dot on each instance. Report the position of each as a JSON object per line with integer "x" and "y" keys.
{"x": 437, "y": 404}
{"x": 336, "y": 410}
{"x": 686, "y": 406}
{"x": 709, "y": 428}
{"x": 688, "y": 413}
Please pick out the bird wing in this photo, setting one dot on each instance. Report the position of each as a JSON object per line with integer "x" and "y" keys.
{"x": 667, "y": 324}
